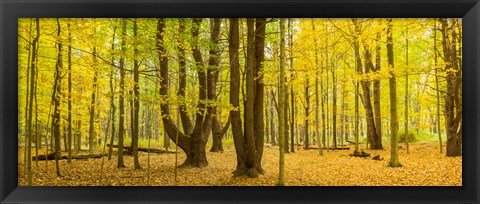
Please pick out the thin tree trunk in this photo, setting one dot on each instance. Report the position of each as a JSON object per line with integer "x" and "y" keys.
{"x": 317, "y": 72}
{"x": 376, "y": 91}
{"x": 112, "y": 98}
{"x": 238, "y": 138}
{"x": 406, "y": 132}
{"x": 182, "y": 82}
{"x": 394, "y": 162}
{"x": 281, "y": 103}
{"x": 136, "y": 97}
{"x": 292, "y": 95}
{"x": 69, "y": 149}
{"x": 56, "y": 101}
{"x": 251, "y": 163}
{"x": 121, "y": 125}
{"x": 437, "y": 123}
{"x": 91, "y": 137}
{"x": 258, "y": 117}
{"x": 33, "y": 65}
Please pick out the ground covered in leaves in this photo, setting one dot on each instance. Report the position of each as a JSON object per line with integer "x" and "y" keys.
{"x": 423, "y": 166}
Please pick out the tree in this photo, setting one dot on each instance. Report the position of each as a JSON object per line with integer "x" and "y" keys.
{"x": 236, "y": 121}
{"x": 69, "y": 149}
{"x": 136, "y": 97}
{"x": 281, "y": 103}
{"x": 374, "y": 139}
{"x": 453, "y": 103}
{"x": 182, "y": 82}
{"x": 91, "y": 131}
{"x": 121, "y": 103}
{"x": 258, "y": 117}
{"x": 212, "y": 74}
{"x": 394, "y": 162}
{"x": 56, "y": 99}
{"x": 376, "y": 91}
{"x": 251, "y": 162}
{"x": 29, "y": 125}
{"x": 194, "y": 144}
{"x": 317, "y": 72}
{"x": 439, "y": 132}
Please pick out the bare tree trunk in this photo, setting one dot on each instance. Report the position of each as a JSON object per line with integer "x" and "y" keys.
{"x": 453, "y": 106}
{"x": 394, "y": 162}
{"x": 182, "y": 82}
{"x": 239, "y": 140}
{"x": 121, "y": 125}
{"x": 249, "y": 103}
{"x": 437, "y": 123}
{"x": 292, "y": 95}
{"x": 112, "y": 98}
{"x": 33, "y": 65}
{"x": 281, "y": 103}
{"x": 258, "y": 117}
{"x": 56, "y": 100}
{"x": 91, "y": 137}
{"x": 69, "y": 149}
{"x": 317, "y": 72}
{"x": 376, "y": 91}
{"x": 136, "y": 97}
{"x": 406, "y": 95}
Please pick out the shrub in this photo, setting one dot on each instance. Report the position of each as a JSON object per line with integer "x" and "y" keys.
{"x": 412, "y": 136}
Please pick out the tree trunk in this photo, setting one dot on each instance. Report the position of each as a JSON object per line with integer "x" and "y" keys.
{"x": 281, "y": 103}
{"x": 453, "y": 111}
{"x": 306, "y": 144}
{"x": 56, "y": 100}
{"x": 182, "y": 82}
{"x": 33, "y": 65}
{"x": 249, "y": 103}
{"x": 194, "y": 145}
{"x": 376, "y": 92}
{"x": 212, "y": 75}
{"x": 69, "y": 149}
{"x": 394, "y": 162}
{"x": 112, "y": 98}
{"x": 136, "y": 97}
{"x": 317, "y": 96}
{"x": 91, "y": 131}
{"x": 258, "y": 117}
{"x": 406, "y": 132}
{"x": 437, "y": 123}
{"x": 238, "y": 138}
{"x": 121, "y": 125}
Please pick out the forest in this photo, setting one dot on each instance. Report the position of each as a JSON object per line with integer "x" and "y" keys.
{"x": 239, "y": 102}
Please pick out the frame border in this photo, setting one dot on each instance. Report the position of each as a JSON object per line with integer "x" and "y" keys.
{"x": 11, "y": 10}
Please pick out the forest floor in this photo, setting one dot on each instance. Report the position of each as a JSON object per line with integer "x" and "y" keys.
{"x": 423, "y": 166}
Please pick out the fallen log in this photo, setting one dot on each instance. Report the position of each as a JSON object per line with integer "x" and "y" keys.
{"x": 158, "y": 151}
{"x": 352, "y": 142}
{"x": 51, "y": 156}
{"x": 336, "y": 148}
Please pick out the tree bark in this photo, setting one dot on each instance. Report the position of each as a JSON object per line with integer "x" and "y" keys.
{"x": 453, "y": 111}
{"x": 317, "y": 96}
{"x": 249, "y": 103}
{"x": 376, "y": 92}
{"x": 182, "y": 82}
{"x": 91, "y": 131}
{"x": 56, "y": 100}
{"x": 136, "y": 97}
{"x": 394, "y": 162}
{"x": 281, "y": 104}
{"x": 236, "y": 121}
{"x": 121, "y": 125}
{"x": 258, "y": 116}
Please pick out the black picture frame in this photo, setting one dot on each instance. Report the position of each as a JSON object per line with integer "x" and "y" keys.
{"x": 11, "y": 10}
